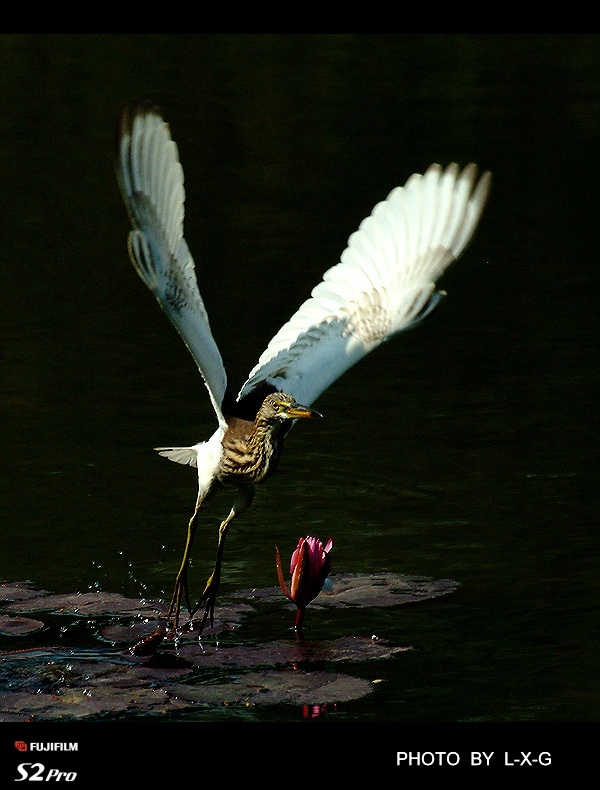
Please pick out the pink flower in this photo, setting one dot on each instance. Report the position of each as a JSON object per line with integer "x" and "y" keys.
{"x": 309, "y": 567}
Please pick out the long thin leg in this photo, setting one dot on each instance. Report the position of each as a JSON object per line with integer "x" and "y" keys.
{"x": 211, "y": 588}
{"x": 181, "y": 582}
{"x": 149, "y": 645}
{"x": 209, "y": 596}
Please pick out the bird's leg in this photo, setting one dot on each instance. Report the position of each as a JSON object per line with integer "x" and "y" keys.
{"x": 149, "y": 645}
{"x": 209, "y": 596}
{"x": 181, "y": 582}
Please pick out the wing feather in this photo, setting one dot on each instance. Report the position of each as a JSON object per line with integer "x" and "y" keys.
{"x": 383, "y": 284}
{"x": 151, "y": 180}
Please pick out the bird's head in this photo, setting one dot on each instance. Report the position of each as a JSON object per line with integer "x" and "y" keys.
{"x": 279, "y": 407}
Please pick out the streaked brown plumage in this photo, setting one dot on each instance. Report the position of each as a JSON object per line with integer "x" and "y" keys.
{"x": 251, "y": 450}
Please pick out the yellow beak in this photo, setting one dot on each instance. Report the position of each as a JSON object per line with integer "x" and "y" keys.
{"x": 299, "y": 412}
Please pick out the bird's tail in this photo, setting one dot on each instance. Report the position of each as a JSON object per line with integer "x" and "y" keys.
{"x": 188, "y": 456}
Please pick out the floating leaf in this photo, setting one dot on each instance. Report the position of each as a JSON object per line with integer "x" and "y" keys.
{"x": 87, "y": 604}
{"x": 53, "y": 682}
{"x": 18, "y": 626}
{"x": 375, "y": 590}
{"x": 17, "y": 591}
{"x": 274, "y": 688}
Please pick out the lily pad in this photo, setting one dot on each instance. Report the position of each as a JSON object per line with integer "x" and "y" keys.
{"x": 87, "y": 604}
{"x": 285, "y": 653}
{"x": 51, "y": 686}
{"x": 375, "y": 589}
{"x": 18, "y": 626}
{"x": 275, "y": 688}
{"x": 74, "y": 703}
{"x": 17, "y": 591}
{"x": 103, "y": 679}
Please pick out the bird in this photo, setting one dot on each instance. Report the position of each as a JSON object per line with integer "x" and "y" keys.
{"x": 384, "y": 283}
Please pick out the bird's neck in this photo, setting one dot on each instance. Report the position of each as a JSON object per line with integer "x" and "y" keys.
{"x": 252, "y": 451}
{"x": 264, "y": 433}
{"x": 265, "y": 443}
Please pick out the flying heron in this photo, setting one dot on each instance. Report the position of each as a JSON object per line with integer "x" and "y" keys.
{"x": 384, "y": 283}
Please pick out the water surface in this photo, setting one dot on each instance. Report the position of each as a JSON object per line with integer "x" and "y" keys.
{"x": 465, "y": 450}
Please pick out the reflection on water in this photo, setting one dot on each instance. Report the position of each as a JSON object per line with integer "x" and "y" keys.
{"x": 463, "y": 450}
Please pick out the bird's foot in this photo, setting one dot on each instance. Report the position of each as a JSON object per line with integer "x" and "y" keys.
{"x": 208, "y": 598}
{"x": 180, "y": 592}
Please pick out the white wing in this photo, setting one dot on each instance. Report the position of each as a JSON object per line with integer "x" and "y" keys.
{"x": 151, "y": 180}
{"x": 384, "y": 283}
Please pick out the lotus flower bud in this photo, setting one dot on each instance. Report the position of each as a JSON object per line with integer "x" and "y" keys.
{"x": 310, "y": 566}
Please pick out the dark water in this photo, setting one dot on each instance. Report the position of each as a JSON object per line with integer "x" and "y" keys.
{"x": 466, "y": 450}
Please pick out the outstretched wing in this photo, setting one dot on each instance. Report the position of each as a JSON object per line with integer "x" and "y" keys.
{"x": 151, "y": 180}
{"x": 384, "y": 283}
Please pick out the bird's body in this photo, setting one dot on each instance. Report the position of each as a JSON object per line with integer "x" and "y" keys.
{"x": 250, "y": 451}
{"x": 246, "y": 452}
{"x": 384, "y": 284}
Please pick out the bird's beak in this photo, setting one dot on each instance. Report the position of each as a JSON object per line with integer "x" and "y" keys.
{"x": 299, "y": 412}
